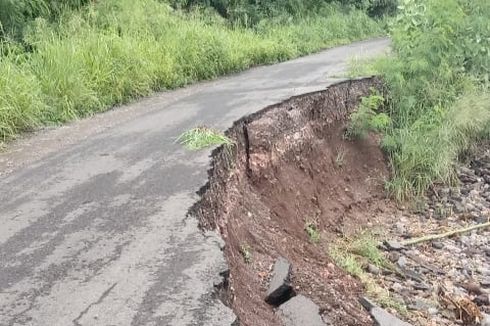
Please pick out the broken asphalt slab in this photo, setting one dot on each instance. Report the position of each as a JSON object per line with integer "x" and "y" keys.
{"x": 380, "y": 316}
{"x": 280, "y": 288}
{"x": 300, "y": 311}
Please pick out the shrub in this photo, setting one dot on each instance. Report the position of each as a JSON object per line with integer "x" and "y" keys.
{"x": 438, "y": 89}
{"x": 15, "y": 14}
{"x": 251, "y": 12}
{"x": 367, "y": 118}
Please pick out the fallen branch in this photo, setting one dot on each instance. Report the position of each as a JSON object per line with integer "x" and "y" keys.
{"x": 444, "y": 235}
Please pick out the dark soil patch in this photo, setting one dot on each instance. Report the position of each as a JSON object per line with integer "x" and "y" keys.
{"x": 292, "y": 166}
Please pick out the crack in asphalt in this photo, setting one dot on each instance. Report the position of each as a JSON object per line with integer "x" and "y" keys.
{"x": 101, "y": 298}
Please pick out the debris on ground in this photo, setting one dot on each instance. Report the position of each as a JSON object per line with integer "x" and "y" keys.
{"x": 445, "y": 245}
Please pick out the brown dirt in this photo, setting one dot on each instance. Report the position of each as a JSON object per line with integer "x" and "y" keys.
{"x": 292, "y": 165}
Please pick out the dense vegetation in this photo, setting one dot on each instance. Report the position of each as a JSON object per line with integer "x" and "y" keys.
{"x": 60, "y": 60}
{"x": 438, "y": 81}
{"x": 251, "y": 12}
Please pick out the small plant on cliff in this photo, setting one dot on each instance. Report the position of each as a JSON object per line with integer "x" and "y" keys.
{"x": 340, "y": 157}
{"x": 203, "y": 137}
{"x": 246, "y": 253}
{"x": 312, "y": 231}
{"x": 367, "y": 118}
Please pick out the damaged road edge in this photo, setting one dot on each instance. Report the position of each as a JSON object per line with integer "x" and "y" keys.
{"x": 224, "y": 162}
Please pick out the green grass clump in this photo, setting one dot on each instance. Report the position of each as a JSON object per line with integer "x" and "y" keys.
{"x": 76, "y": 60}
{"x": 437, "y": 82}
{"x": 246, "y": 252}
{"x": 312, "y": 232}
{"x": 352, "y": 254}
{"x": 367, "y": 117}
{"x": 365, "y": 245}
{"x": 203, "y": 137}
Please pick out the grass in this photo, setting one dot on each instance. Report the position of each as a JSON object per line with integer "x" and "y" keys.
{"x": 246, "y": 253}
{"x": 312, "y": 232}
{"x": 352, "y": 254}
{"x": 361, "y": 67}
{"x": 437, "y": 82}
{"x": 340, "y": 156}
{"x": 110, "y": 52}
{"x": 428, "y": 153}
{"x": 203, "y": 137}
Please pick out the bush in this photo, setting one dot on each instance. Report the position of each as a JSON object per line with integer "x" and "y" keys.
{"x": 438, "y": 89}
{"x": 15, "y": 14}
{"x": 251, "y": 12}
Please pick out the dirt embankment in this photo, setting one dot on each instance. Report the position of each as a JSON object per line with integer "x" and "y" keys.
{"x": 292, "y": 169}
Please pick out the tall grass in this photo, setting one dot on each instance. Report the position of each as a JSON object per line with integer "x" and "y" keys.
{"x": 438, "y": 79}
{"x": 114, "y": 50}
{"x": 251, "y": 12}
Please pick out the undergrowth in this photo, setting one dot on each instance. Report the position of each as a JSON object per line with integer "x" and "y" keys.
{"x": 437, "y": 90}
{"x": 57, "y": 65}
{"x": 353, "y": 254}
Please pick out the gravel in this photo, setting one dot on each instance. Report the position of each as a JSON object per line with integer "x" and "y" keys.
{"x": 457, "y": 267}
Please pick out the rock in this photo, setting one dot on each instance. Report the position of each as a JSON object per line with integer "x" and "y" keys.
{"x": 397, "y": 287}
{"x": 485, "y": 320}
{"x": 432, "y": 311}
{"x": 413, "y": 275}
{"x": 481, "y": 219}
{"x": 400, "y": 228}
{"x": 467, "y": 176}
{"x": 465, "y": 240}
{"x": 301, "y": 311}
{"x": 420, "y": 305}
{"x": 465, "y": 190}
{"x": 458, "y": 208}
{"x": 471, "y": 251}
{"x": 373, "y": 269}
{"x": 437, "y": 244}
{"x": 394, "y": 256}
{"x": 381, "y": 317}
{"x": 470, "y": 207}
{"x": 444, "y": 192}
{"x": 402, "y": 261}
{"x": 472, "y": 288}
{"x": 393, "y": 245}
{"x": 421, "y": 286}
{"x": 474, "y": 193}
{"x": 482, "y": 299}
{"x": 280, "y": 286}
{"x": 485, "y": 282}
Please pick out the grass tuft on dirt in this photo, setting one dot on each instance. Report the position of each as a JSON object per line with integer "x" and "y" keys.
{"x": 353, "y": 254}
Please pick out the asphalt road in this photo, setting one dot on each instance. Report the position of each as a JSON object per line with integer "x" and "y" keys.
{"x": 93, "y": 215}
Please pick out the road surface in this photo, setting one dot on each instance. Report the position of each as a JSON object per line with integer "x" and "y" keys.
{"x": 94, "y": 227}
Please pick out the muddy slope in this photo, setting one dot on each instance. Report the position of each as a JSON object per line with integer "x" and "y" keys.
{"x": 292, "y": 166}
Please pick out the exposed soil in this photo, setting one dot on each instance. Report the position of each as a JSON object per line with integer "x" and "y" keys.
{"x": 292, "y": 166}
